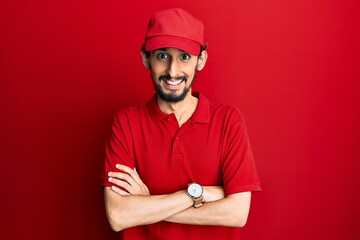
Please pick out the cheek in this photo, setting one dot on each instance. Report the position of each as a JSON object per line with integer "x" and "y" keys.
{"x": 158, "y": 69}
{"x": 155, "y": 78}
{"x": 190, "y": 71}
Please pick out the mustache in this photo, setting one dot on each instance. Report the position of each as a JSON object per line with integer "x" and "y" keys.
{"x": 167, "y": 77}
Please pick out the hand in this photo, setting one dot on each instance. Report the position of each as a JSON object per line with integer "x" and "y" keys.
{"x": 129, "y": 180}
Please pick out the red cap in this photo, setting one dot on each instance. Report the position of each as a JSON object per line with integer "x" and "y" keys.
{"x": 175, "y": 28}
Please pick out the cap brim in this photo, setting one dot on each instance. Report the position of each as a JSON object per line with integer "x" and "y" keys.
{"x": 184, "y": 44}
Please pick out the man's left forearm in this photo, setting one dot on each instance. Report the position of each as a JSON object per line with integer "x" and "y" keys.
{"x": 231, "y": 211}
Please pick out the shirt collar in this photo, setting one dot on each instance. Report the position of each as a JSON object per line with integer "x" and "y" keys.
{"x": 200, "y": 115}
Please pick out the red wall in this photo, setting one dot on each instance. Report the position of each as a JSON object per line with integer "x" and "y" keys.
{"x": 291, "y": 66}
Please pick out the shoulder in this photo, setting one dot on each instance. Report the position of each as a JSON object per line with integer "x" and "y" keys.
{"x": 218, "y": 110}
{"x": 130, "y": 112}
{"x": 226, "y": 112}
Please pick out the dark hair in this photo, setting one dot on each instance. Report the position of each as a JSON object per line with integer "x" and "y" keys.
{"x": 147, "y": 53}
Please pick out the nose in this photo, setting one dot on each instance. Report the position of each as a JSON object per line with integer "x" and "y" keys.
{"x": 173, "y": 68}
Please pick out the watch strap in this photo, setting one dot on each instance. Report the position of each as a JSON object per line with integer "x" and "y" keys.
{"x": 198, "y": 202}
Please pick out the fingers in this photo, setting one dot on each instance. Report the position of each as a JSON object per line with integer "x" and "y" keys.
{"x": 117, "y": 177}
{"x": 120, "y": 184}
{"x": 119, "y": 191}
{"x": 135, "y": 178}
{"x": 129, "y": 180}
{"x": 132, "y": 172}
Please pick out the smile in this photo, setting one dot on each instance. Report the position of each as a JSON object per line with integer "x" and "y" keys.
{"x": 172, "y": 81}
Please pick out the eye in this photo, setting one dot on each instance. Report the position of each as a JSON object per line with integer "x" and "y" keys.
{"x": 185, "y": 56}
{"x": 162, "y": 56}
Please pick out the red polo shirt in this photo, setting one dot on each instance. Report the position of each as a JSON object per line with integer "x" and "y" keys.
{"x": 211, "y": 148}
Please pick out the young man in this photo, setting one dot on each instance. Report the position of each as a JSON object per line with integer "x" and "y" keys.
{"x": 179, "y": 166}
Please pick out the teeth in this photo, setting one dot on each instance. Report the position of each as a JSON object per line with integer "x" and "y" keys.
{"x": 174, "y": 83}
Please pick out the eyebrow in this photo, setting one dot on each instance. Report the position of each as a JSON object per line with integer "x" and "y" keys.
{"x": 165, "y": 49}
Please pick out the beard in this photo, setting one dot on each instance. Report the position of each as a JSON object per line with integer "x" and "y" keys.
{"x": 172, "y": 97}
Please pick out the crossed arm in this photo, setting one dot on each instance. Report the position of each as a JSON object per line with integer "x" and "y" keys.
{"x": 134, "y": 205}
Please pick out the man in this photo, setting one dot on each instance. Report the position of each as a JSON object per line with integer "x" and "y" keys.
{"x": 179, "y": 166}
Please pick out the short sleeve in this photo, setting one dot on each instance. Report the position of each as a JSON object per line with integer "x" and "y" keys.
{"x": 118, "y": 148}
{"x": 238, "y": 167}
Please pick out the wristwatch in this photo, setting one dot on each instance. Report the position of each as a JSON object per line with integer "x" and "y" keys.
{"x": 195, "y": 191}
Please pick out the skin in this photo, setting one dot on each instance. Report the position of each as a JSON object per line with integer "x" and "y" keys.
{"x": 134, "y": 205}
{"x": 175, "y": 63}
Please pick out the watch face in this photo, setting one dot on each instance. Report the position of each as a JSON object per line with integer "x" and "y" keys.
{"x": 195, "y": 190}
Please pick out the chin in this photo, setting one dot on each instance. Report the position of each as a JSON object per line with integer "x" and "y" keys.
{"x": 171, "y": 97}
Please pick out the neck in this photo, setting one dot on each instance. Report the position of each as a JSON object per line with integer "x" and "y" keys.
{"x": 183, "y": 110}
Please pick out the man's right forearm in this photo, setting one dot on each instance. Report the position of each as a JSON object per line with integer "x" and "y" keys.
{"x": 134, "y": 210}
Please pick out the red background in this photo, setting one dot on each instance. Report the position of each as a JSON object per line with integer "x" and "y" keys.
{"x": 291, "y": 66}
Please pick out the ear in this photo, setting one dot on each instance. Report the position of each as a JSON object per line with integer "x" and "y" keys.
{"x": 145, "y": 60}
{"x": 201, "y": 60}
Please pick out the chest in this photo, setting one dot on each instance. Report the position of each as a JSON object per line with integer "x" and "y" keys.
{"x": 169, "y": 157}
